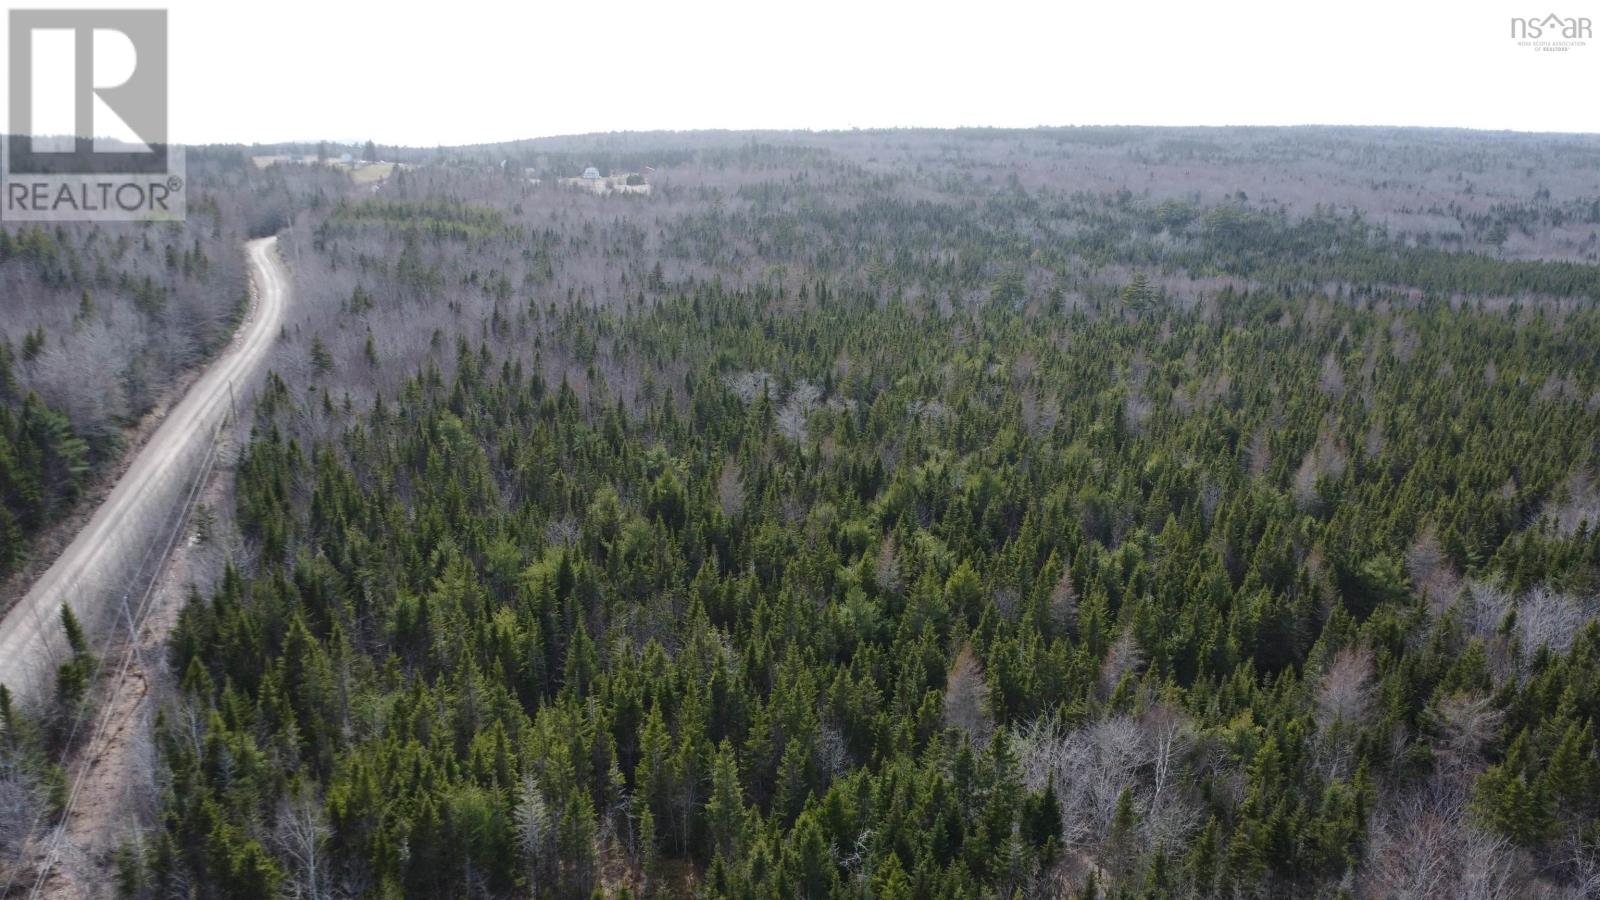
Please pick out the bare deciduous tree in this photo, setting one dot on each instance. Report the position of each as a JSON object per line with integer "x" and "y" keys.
{"x": 1410, "y": 853}
{"x": 927, "y": 410}
{"x": 796, "y": 410}
{"x": 1466, "y": 723}
{"x": 886, "y": 569}
{"x": 19, "y": 804}
{"x": 1425, "y": 845}
{"x": 537, "y": 838}
{"x": 1375, "y": 440}
{"x": 966, "y": 696}
{"x": 1039, "y": 414}
{"x": 1576, "y": 502}
{"x": 1171, "y": 738}
{"x": 1093, "y": 765}
{"x": 1430, "y": 571}
{"x": 1258, "y": 455}
{"x": 747, "y": 386}
{"x": 832, "y": 753}
{"x": 730, "y": 489}
{"x": 1331, "y": 379}
{"x": 1343, "y": 704}
{"x": 1064, "y": 602}
{"x": 562, "y": 532}
{"x": 301, "y": 836}
{"x": 1486, "y": 606}
{"x": 1137, "y": 408}
{"x": 1008, "y": 600}
{"x": 85, "y": 375}
{"x": 1326, "y": 459}
{"x": 1345, "y": 691}
{"x": 1546, "y": 618}
{"x": 1124, "y": 658}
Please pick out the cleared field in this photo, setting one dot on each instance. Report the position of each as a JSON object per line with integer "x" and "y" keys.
{"x": 371, "y": 172}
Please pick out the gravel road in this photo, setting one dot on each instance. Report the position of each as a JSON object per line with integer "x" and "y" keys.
{"x": 96, "y": 571}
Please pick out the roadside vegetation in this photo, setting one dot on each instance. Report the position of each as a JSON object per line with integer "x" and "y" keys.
{"x": 101, "y": 321}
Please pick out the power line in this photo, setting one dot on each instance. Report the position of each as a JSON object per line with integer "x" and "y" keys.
{"x": 120, "y": 682}
{"x": 78, "y": 717}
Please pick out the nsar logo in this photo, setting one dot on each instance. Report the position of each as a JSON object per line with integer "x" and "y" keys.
{"x": 1552, "y": 32}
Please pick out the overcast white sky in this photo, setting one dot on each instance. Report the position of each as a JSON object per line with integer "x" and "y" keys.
{"x": 468, "y": 72}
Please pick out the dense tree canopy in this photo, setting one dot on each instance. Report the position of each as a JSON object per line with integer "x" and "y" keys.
{"x": 1016, "y": 598}
{"x": 897, "y": 534}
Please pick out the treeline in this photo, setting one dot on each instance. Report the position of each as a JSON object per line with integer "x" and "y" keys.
{"x": 930, "y": 246}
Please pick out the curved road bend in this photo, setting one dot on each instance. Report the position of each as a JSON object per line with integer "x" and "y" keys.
{"x": 95, "y": 567}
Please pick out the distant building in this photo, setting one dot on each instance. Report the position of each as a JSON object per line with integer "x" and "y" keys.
{"x": 615, "y": 183}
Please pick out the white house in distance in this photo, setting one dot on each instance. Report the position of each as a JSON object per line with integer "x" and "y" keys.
{"x": 615, "y": 183}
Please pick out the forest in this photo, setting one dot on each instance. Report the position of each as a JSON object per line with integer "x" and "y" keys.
{"x": 1122, "y": 513}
